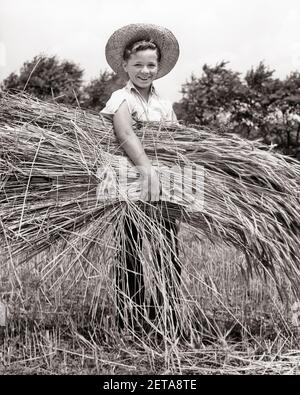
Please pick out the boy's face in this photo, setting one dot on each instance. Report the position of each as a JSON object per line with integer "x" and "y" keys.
{"x": 142, "y": 67}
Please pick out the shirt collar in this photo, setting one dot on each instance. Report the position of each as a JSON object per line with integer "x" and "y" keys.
{"x": 130, "y": 86}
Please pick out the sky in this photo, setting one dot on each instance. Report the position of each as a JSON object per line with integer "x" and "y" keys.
{"x": 242, "y": 32}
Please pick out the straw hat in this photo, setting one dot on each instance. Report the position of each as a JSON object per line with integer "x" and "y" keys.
{"x": 162, "y": 37}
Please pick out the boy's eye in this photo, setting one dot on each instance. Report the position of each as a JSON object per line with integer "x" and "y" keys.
{"x": 140, "y": 65}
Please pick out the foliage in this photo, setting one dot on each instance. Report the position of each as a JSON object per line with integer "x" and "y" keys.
{"x": 61, "y": 81}
{"x": 202, "y": 97}
{"x": 99, "y": 90}
{"x": 47, "y": 78}
{"x": 260, "y": 106}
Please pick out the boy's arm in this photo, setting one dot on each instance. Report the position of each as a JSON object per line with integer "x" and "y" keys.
{"x": 122, "y": 122}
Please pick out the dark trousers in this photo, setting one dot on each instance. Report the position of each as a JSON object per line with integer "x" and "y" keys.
{"x": 130, "y": 278}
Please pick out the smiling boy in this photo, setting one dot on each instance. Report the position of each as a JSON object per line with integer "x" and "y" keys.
{"x": 141, "y": 53}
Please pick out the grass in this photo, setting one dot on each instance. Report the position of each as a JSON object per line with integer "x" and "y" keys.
{"x": 240, "y": 326}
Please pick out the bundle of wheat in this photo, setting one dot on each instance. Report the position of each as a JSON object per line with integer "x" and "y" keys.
{"x": 50, "y": 161}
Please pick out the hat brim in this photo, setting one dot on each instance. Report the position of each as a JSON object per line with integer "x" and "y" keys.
{"x": 162, "y": 37}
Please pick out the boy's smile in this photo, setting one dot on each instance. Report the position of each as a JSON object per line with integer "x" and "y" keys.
{"x": 142, "y": 69}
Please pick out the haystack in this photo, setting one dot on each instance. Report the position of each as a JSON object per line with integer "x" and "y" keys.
{"x": 50, "y": 161}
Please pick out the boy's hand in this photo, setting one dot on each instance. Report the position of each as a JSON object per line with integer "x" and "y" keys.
{"x": 150, "y": 184}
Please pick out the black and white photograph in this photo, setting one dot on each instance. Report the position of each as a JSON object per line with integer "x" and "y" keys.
{"x": 149, "y": 190}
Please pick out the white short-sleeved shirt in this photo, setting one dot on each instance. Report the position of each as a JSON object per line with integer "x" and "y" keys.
{"x": 156, "y": 109}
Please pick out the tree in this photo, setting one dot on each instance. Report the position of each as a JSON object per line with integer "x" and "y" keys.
{"x": 279, "y": 108}
{"x": 260, "y": 106}
{"x": 204, "y": 97}
{"x": 260, "y": 78}
{"x": 99, "y": 90}
{"x": 248, "y": 115}
{"x": 47, "y": 78}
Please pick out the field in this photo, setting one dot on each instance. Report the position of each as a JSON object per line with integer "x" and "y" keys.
{"x": 61, "y": 313}
{"x": 241, "y": 325}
